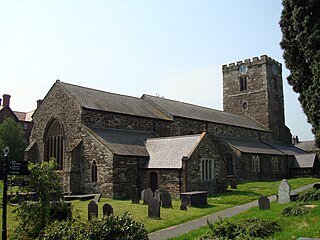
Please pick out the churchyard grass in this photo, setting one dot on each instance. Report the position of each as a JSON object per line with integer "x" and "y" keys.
{"x": 246, "y": 192}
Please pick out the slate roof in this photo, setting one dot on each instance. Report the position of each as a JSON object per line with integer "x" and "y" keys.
{"x": 123, "y": 142}
{"x": 24, "y": 116}
{"x": 246, "y": 146}
{"x": 308, "y": 146}
{"x": 167, "y": 152}
{"x": 186, "y": 110}
{"x": 303, "y": 161}
{"x": 287, "y": 149}
{"x": 111, "y": 102}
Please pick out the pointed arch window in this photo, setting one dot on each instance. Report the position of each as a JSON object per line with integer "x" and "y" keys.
{"x": 94, "y": 171}
{"x": 54, "y": 143}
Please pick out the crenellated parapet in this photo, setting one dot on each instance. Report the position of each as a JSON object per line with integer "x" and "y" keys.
{"x": 250, "y": 62}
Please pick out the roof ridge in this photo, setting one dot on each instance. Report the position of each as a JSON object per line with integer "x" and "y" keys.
{"x": 124, "y": 130}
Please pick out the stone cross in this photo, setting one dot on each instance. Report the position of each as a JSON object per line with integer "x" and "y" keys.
{"x": 284, "y": 192}
{"x": 134, "y": 195}
{"x": 264, "y": 203}
{"x": 154, "y": 208}
{"x": 92, "y": 210}
{"x": 148, "y": 195}
{"x": 107, "y": 209}
{"x": 166, "y": 199}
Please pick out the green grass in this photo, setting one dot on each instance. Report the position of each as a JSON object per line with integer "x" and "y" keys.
{"x": 246, "y": 192}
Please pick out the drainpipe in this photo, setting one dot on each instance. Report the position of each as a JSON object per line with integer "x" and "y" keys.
{"x": 185, "y": 173}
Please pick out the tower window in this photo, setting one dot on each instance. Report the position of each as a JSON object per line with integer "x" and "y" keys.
{"x": 94, "y": 171}
{"x": 244, "y": 105}
{"x": 243, "y": 83}
{"x": 54, "y": 143}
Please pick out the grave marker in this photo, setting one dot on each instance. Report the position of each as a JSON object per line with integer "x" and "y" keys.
{"x": 107, "y": 209}
{"x": 92, "y": 210}
{"x": 166, "y": 199}
{"x": 134, "y": 195}
{"x": 284, "y": 192}
{"x": 148, "y": 195}
{"x": 154, "y": 208}
{"x": 264, "y": 203}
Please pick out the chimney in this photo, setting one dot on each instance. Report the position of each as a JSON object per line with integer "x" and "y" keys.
{"x": 6, "y": 100}
{"x": 0, "y": 101}
{"x": 295, "y": 140}
{"x": 39, "y": 101}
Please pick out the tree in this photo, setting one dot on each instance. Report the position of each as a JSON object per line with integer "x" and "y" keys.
{"x": 300, "y": 25}
{"x": 33, "y": 217}
{"x": 12, "y": 135}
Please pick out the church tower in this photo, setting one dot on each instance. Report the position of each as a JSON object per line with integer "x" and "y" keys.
{"x": 254, "y": 88}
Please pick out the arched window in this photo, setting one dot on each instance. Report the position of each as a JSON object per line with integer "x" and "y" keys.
{"x": 274, "y": 164}
{"x": 54, "y": 143}
{"x": 255, "y": 164}
{"x": 230, "y": 170}
{"x": 94, "y": 171}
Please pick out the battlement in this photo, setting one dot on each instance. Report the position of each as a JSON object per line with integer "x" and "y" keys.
{"x": 250, "y": 62}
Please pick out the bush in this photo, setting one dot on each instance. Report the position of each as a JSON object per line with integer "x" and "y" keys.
{"x": 252, "y": 228}
{"x": 111, "y": 227}
{"x": 309, "y": 195}
{"x": 296, "y": 210}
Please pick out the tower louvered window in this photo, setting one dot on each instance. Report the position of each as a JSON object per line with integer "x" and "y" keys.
{"x": 54, "y": 143}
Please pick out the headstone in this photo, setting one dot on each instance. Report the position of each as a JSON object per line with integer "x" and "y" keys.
{"x": 234, "y": 184}
{"x": 166, "y": 199}
{"x": 154, "y": 208}
{"x": 97, "y": 197}
{"x": 157, "y": 195}
{"x": 92, "y": 210}
{"x": 264, "y": 203}
{"x": 134, "y": 195}
{"x": 284, "y": 192}
{"x": 316, "y": 186}
{"x": 142, "y": 195}
{"x": 148, "y": 195}
{"x": 184, "y": 206}
{"x": 107, "y": 209}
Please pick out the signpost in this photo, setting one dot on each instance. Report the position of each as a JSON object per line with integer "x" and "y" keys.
{"x": 8, "y": 167}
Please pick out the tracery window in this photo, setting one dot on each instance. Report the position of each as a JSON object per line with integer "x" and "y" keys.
{"x": 255, "y": 164}
{"x": 94, "y": 171}
{"x": 207, "y": 169}
{"x": 54, "y": 143}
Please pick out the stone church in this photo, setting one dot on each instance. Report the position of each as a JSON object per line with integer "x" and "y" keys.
{"x": 105, "y": 142}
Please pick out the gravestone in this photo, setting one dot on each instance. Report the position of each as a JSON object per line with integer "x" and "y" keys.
{"x": 316, "y": 186}
{"x": 264, "y": 203}
{"x": 184, "y": 206}
{"x": 107, "y": 209}
{"x": 142, "y": 195}
{"x": 134, "y": 195}
{"x": 97, "y": 197}
{"x": 154, "y": 208}
{"x": 157, "y": 195}
{"x": 284, "y": 192}
{"x": 166, "y": 199}
{"x": 92, "y": 210}
{"x": 234, "y": 184}
{"x": 148, "y": 195}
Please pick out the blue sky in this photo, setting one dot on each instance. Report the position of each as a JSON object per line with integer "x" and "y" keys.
{"x": 171, "y": 48}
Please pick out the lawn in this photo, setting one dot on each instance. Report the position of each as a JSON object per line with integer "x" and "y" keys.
{"x": 246, "y": 192}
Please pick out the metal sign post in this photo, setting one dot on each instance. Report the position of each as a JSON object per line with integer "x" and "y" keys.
{"x": 5, "y": 189}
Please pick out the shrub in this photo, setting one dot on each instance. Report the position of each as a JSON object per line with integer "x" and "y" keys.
{"x": 309, "y": 195}
{"x": 245, "y": 229}
{"x": 295, "y": 210}
{"x": 111, "y": 227}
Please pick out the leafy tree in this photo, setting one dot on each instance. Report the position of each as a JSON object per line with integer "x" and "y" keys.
{"x": 33, "y": 217}
{"x": 300, "y": 25}
{"x": 12, "y": 135}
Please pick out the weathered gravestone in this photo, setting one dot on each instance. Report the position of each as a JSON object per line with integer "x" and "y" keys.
{"x": 154, "y": 208}
{"x": 148, "y": 195}
{"x": 107, "y": 209}
{"x": 264, "y": 203}
{"x": 284, "y": 192}
{"x": 157, "y": 195}
{"x": 92, "y": 210}
{"x": 166, "y": 201}
{"x": 184, "y": 206}
{"x": 134, "y": 195}
{"x": 234, "y": 184}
